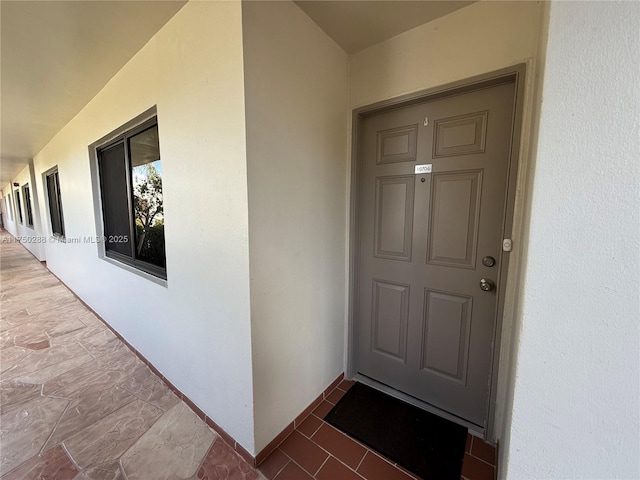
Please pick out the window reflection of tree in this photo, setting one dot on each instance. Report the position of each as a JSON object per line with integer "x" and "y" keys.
{"x": 149, "y": 213}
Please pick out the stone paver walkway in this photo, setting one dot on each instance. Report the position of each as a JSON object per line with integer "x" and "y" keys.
{"x": 77, "y": 404}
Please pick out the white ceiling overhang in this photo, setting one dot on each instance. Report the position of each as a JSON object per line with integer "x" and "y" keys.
{"x": 358, "y": 24}
{"x": 57, "y": 55}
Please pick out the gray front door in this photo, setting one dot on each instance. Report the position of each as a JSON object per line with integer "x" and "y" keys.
{"x": 425, "y": 325}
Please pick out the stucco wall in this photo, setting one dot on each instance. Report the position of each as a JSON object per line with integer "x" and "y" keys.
{"x": 9, "y": 210}
{"x": 480, "y": 38}
{"x": 576, "y": 403}
{"x": 296, "y": 110}
{"x": 30, "y": 236}
{"x": 196, "y": 330}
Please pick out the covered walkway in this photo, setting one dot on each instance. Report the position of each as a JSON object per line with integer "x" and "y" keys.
{"x": 78, "y": 404}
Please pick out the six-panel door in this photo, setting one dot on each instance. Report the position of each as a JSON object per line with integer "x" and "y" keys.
{"x": 425, "y": 327}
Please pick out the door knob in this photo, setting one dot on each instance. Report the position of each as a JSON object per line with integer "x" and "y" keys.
{"x": 487, "y": 285}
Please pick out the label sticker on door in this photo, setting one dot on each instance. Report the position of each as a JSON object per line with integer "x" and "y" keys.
{"x": 426, "y": 168}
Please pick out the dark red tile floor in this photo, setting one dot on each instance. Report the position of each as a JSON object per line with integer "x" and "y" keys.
{"x": 316, "y": 450}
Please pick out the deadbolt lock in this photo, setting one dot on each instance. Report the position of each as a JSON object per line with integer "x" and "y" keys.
{"x": 486, "y": 285}
{"x": 488, "y": 261}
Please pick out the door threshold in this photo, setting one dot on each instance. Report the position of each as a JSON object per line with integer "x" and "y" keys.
{"x": 474, "y": 429}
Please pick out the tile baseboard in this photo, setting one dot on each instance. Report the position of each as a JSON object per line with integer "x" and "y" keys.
{"x": 282, "y": 436}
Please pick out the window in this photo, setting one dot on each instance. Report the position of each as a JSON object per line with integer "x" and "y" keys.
{"x": 130, "y": 175}
{"x": 55, "y": 203}
{"x": 5, "y": 207}
{"x": 9, "y": 207}
{"x": 18, "y": 206}
{"x": 26, "y": 193}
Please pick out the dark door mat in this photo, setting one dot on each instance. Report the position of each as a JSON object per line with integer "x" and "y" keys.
{"x": 419, "y": 441}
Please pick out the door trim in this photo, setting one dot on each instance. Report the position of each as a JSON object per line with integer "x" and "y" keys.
{"x": 516, "y": 74}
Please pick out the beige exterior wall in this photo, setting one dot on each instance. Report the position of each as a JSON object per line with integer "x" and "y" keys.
{"x": 30, "y": 236}
{"x": 296, "y": 99}
{"x": 196, "y": 329}
{"x": 575, "y": 411}
{"x": 482, "y": 37}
